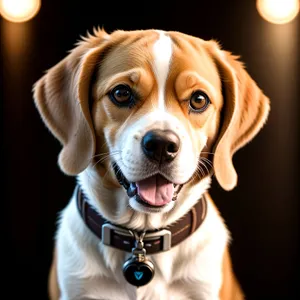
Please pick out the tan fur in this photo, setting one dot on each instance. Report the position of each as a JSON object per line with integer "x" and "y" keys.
{"x": 231, "y": 289}
{"x": 245, "y": 114}
{"x": 72, "y": 99}
{"x": 53, "y": 288}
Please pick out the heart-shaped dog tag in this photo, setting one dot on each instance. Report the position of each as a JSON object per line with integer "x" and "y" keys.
{"x": 138, "y": 273}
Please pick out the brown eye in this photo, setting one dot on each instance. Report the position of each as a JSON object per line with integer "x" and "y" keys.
{"x": 199, "y": 102}
{"x": 122, "y": 95}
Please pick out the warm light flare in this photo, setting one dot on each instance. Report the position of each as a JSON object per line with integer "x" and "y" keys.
{"x": 19, "y": 10}
{"x": 278, "y": 11}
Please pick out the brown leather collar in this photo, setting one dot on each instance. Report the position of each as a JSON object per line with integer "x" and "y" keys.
{"x": 154, "y": 241}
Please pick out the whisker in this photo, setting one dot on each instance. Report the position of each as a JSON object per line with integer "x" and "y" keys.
{"x": 197, "y": 174}
{"x": 210, "y": 153}
{"x": 100, "y": 160}
{"x": 206, "y": 160}
{"x": 110, "y": 169}
{"x": 104, "y": 144}
{"x": 201, "y": 170}
{"x": 204, "y": 165}
{"x": 106, "y": 153}
{"x": 204, "y": 152}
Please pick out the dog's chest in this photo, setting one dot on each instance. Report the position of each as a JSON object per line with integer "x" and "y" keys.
{"x": 177, "y": 277}
{"x": 191, "y": 270}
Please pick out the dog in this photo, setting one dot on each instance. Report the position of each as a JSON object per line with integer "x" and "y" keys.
{"x": 145, "y": 119}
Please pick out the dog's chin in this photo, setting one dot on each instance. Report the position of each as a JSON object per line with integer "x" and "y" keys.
{"x": 139, "y": 205}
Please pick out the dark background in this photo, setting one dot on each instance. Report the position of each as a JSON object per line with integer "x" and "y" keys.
{"x": 261, "y": 213}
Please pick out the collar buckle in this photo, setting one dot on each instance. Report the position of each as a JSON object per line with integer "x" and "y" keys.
{"x": 107, "y": 230}
{"x": 164, "y": 234}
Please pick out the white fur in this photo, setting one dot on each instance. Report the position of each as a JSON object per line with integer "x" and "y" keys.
{"x": 162, "y": 51}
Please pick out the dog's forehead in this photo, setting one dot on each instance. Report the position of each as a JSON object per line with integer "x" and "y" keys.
{"x": 158, "y": 51}
{"x": 128, "y": 50}
{"x": 189, "y": 53}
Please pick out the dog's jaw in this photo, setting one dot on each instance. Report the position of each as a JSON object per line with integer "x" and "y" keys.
{"x": 138, "y": 206}
{"x": 151, "y": 195}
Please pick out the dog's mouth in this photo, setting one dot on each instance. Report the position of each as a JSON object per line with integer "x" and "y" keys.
{"x": 155, "y": 191}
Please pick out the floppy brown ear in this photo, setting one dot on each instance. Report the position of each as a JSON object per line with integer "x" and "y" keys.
{"x": 62, "y": 99}
{"x": 245, "y": 111}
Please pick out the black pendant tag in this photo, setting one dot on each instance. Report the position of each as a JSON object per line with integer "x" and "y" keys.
{"x": 138, "y": 273}
{"x": 138, "y": 270}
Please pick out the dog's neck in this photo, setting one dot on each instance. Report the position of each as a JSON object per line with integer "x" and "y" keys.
{"x": 113, "y": 205}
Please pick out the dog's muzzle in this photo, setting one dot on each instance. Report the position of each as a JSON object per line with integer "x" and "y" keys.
{"x": 160, "y": 147}
{"x": 155, "y": 191}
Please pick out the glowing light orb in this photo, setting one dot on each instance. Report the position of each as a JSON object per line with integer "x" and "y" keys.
{"x": 19, "y": 10}
{"x": 278, "y": 11}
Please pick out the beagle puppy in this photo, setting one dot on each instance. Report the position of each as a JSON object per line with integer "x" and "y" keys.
{"x": 145, "y": 119}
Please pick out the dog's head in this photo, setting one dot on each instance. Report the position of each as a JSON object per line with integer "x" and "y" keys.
{"x": 149, "y": 108}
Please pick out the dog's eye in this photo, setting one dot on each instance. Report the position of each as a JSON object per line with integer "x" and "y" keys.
{"x": 199, "y": 102}
{"x": 122, "y": 95}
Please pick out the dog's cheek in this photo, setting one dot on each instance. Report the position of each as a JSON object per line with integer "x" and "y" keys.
{"x": 193, "y": 140}
{"x": 212, "y": 129}
{"x": 204, "y": 132}
{"x": 100, "y": 121}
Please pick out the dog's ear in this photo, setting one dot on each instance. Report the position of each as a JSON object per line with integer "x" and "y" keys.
{"x": 62, "y": 99}
{"x": 244, "y": 113}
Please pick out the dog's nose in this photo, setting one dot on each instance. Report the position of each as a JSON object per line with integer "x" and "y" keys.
{"x": 160, "y": 145}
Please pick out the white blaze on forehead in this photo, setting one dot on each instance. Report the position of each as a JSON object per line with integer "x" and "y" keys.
{"x": 162, "y": 51}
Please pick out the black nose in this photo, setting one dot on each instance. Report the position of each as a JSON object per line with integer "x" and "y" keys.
{"x": 161, "y": 145}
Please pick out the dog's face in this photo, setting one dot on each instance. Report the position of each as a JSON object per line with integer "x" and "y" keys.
{"x": 148, "y": 108}
{"x": 158, "y": 104}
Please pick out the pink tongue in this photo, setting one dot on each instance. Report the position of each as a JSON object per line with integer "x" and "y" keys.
{"x": 155, "y": 190}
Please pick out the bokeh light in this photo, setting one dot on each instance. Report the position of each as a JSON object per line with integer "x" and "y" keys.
{"x": 19, "y": 10}
{"x": 278, "y": 11}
